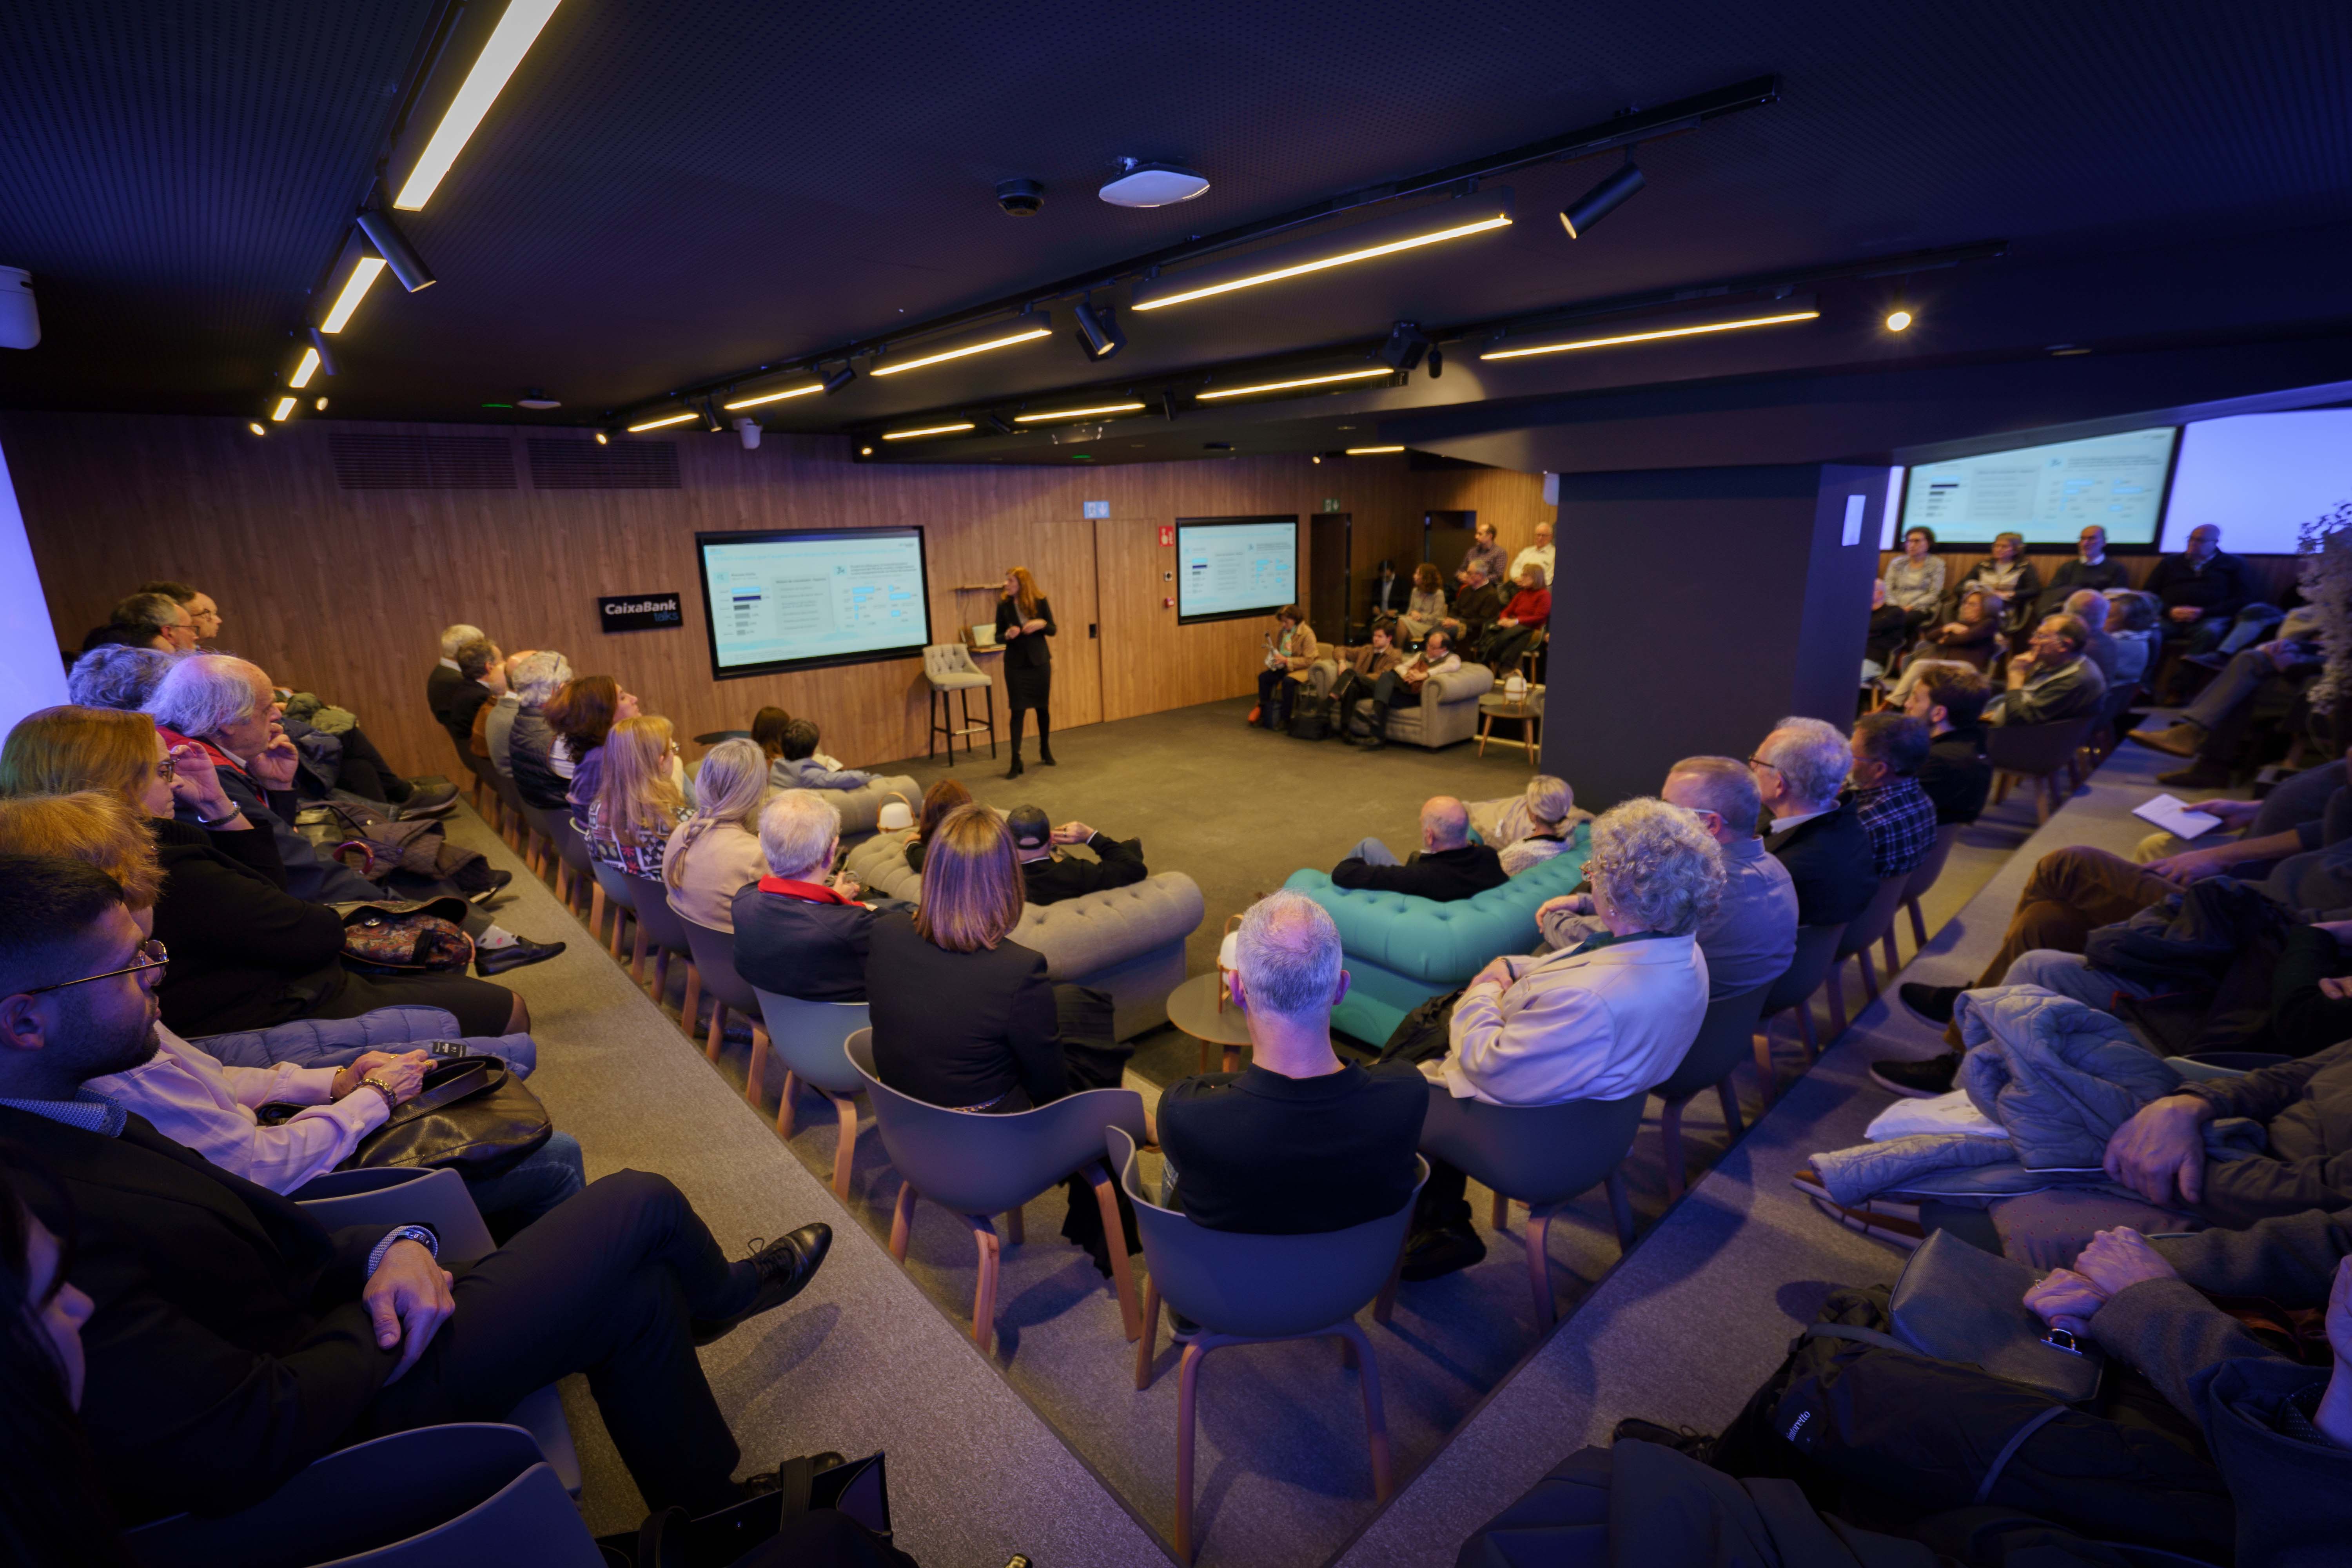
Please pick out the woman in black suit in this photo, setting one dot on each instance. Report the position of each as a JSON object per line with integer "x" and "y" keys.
{"x": 1024, "y": 619}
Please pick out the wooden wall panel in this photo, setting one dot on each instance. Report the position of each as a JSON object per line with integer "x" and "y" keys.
{"x": 344, "y": 592}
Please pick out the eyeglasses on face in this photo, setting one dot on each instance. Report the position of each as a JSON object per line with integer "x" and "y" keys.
{"x": 151, "y": 955}
{"x": 1760, "y": 762}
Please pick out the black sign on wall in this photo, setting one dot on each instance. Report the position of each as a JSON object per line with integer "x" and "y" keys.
{"x": 639, "y": 612}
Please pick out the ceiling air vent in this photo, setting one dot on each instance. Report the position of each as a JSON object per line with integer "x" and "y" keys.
{"x": 424, "y": 462}
{"x": 584, "y": 465}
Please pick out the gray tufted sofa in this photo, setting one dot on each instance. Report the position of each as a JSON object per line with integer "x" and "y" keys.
{"x": 1447, "y": 713}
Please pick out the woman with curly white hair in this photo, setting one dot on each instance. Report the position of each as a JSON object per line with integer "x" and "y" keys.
{"x": 1606, "y": 1018}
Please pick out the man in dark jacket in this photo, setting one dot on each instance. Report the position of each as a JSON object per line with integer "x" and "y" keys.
{"x": 1798, "y": 770}
{"x": 2201, "y": 590}
{"x": 1048, "y": 878}
{"x": 2088, "y": 567}
{"x": 232, "y": 1339}
{"x": 798, "y": 930}
{"x": 1448, "y": 866}
{"x": 1956, "y": 776}
{"x": 444, "y": 680}
{"x": 2304, "y": 1107}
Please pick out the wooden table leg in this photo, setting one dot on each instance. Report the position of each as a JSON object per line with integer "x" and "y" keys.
{"x": 1233, "y": 1058}
{"x": 1486, "y": 728}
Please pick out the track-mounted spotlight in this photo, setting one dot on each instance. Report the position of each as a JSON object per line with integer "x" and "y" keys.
{"x": 838, "y": 380}
{"x": 1601, "y": 200}
{"x": 998, "y": 423}
{"x": 325, "y": 355}
{"x": 711, "y": 423}
{"x": 1098, "y": 330}
{"x": 1436, "y": 363}
{"x": 1405, "y": 346}
{"x": 394, "y": 247}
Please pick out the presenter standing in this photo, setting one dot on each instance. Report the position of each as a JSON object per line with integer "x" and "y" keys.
{"x": 1024, "y": 619}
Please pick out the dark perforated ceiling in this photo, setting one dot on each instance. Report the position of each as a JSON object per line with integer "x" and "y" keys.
{"x": 669, "y": 192}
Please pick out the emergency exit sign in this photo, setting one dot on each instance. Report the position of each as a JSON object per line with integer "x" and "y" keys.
{"x": 1330, "y": 503}
{"x": 1098, "y": 508}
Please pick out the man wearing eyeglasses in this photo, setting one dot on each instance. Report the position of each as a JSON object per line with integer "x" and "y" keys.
{"x": 1798, "y": 770}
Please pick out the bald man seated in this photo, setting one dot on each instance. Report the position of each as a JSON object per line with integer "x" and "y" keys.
{"x": 1446, "y": 868}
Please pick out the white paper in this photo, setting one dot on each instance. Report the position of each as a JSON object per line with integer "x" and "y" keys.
{"x": 2175, "y": 816}
{"x": 1950, "y": 1113}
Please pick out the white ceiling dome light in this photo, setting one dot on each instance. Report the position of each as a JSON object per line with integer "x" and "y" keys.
{"x": 1142, "y": 184}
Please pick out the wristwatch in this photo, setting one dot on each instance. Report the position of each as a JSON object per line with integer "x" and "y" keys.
{"x": 415, "y": 1233}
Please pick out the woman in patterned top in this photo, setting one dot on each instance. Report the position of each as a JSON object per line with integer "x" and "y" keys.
{"x": 637, "y": 801}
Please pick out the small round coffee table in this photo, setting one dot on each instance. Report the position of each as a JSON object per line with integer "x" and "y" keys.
{"x": 1192, "y": 1008}
{"x": 1528, "y": 711}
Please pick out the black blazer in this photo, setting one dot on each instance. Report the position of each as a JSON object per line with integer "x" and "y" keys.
{"x": 1829, "y": 860}
{"x": 815, "y": 951}
{"x": 1956, "y": 776}
{"x": 244, "y": 952}
{"x": 1446, "y": 875}
{"x": 227, "y": 1346}
{"x": 961, "y": 1028}
{"x": 439, "y": 687}
{"x": 1256, "y": 1152}
{"x": 1050, "y": 880}
{"x": 1027, "y": 651}
{"x": 458, "y": 713}
{"x": 2220, "y": 590}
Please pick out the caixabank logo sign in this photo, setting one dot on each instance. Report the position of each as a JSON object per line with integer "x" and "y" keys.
{"x": 639, "y": 612}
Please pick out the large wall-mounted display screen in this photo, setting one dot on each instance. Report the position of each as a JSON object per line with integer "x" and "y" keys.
{"x": 800, "y": 599}
{"x": 1228, "y": 567}
{"x": 2047, "y": 493}
{"x": 2259, "y": 478}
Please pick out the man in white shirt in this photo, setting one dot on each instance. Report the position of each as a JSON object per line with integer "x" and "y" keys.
{"x": 1539, "y": 553}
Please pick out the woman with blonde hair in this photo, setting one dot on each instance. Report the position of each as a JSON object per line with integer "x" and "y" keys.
{"x": 1024, "y": 619}
{"x": 714, "y": 854}
{"x": 245, "y": 953}
{"x": 637, "y": 801}
{"x": 2009, "y": 574}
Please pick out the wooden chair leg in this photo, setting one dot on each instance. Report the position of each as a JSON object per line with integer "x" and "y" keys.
{"x": 784, "y": 1104}
{"x": 637, "y": 954}
{"x": 1384, "y": 1304}
{"x": 983, "y": 1294}
{"x": 1538, "y": 1235}
{"x": 1017, "y": 1231}
{"x": 1188, "y": 1384}
{"x": 1835, "y": 988}
{"x": 1728, "y": 1096}
{"x": 1376, "y": 1419}
{"x": 1764, "y": 1069}
{"x": 1805, "y": 1029}
{"x": 596, "y": 917}
{"x": 1670, "y": 1145}
{"x": 1621, "y": 1209}
{"x": 902, "y": 1221}
{"x": 718, "y": 1029}
{"x": 1893, "y": 963}
{"x": 661, "y": 972}
{"x": 1918, "y": 923}
{"x": 844, "y": 1150}
{"x": 686, "y": 1014}
{"x": 759, "y": 1062}
{"x": 1499, "y": 1215}
{"x": 1150, "y": 1336}
{"x": 1122, "y": 1272}
{"x": 1870, "y": 970}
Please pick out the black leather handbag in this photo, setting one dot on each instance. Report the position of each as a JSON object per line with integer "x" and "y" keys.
{"x": 473, "y": 1115}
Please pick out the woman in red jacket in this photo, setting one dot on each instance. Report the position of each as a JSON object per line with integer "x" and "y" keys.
{"x": 1523, "y": 619}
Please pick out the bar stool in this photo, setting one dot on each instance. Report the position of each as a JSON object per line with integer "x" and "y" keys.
{"x": 954, "y": 676}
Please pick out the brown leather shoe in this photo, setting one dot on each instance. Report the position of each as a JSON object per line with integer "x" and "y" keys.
{"x": 2179, "y": 740}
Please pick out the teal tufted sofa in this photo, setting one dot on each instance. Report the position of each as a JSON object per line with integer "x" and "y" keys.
{"x": 1402, "y": 950}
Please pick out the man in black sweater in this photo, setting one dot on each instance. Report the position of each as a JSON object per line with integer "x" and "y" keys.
{"x": 1448, "y": 866}
{"x": 1798, "y": 770}
{"x": 2202, "y": 589}
{"x": 1298, "y": 1142}
{"x": 1048, "y": 878}
{"x": 234, "y": 1339}
{"x": 1956, "y": 775}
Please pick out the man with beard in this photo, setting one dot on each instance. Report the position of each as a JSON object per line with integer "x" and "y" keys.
{"x": 234, "y": 1339}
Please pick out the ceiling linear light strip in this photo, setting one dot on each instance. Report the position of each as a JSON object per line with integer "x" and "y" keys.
{"x": 813, "y": 387}
{"x": 925, "y": 430}
{"x": 1293, "y": 385}
{"x": 1021, "y": 329}
{"x": 278, "y": 414}
{"x": 1371, "y": 451}
{"x": 304, "y": 371}
{"x": 509, "y": 41}
{"x": 1434, "y": 224}
{"x": 1654, "y": 335}
{"x": 664, "y": 419}
{"x": 1078, "y": 413}
{"x": 355, "y": 288}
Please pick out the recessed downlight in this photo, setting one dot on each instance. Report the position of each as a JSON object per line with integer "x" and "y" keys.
{"x": 665, "y": 419}
{"x": 1061, "y": 414}
{"x": 925, "y": 430}
{"x": 1898, "y": 321}
{"x": 1378, "y": 372}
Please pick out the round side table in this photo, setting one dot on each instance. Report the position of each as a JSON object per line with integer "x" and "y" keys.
{"x": 1192, "y": 1008}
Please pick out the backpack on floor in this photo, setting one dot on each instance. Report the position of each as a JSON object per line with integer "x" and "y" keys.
{"x": 1309, "y": 720}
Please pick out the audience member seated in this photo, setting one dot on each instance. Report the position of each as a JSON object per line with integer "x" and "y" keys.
{"x": 1356, "y": 669}
{"x": 461, "y": 706}
{"x": 2304, "y": 1110}
{"x": 197, "y": 603}
{"x": 116, "y": 676}
{"x": 1524, "y": 620}
{"x": 1400, "y": 685}
{"x": 800, "y": 930}
{"x": 2200, "y": 589}
{"x": 1388, "y": 595}
{"x": 1539, "y": 553}
{"x": 231, "y": 1338}
{"x": 582, "y": 715}
{"x": 1543, "y": 825}
{"x": 1289, "y": 654}
{"x": 1970, "y": 639}
{"x": 1476, "y": 606}
{"x": 1298, "y": 1142}
{"x": 2098, "y": 645}
{"x": 2009, "y": 574}
{"x": 1752, "y": 936}
{"x": 714, "y": 852}
{"x": 1448, "y": 866}
{"x": 798, "y": 766}
{"x": 146, "y": 620}
{"x": 444, "y": 680}
{"x": 1609, "y": 1017}
{"x": 535, "y": 679}
{"x": 637, "y": 803}
{"x": 1956, "y": 776}
{"x": 2088, "y": 568}
{"x": 2051, "y": 681}
{"x": 1425, "y": 611}
{"x": 1914, "y": 579}
{"x": 2259, "y": 682}
{"x": 768, "y": 728}
{"x": 247, "y": 953}
{"x": 2134, "y": 622}
{"x": 1798, "y": 772}
{"x": 1049, "y": 877}
{"x": 1485, "y": 557}
{"x": 1890, "y": 628}
{"x": 1882, "y": 787}
{"x": 938, "y": 801}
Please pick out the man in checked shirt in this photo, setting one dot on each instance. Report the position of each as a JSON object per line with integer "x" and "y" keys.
{"x": 1883, "y": 787}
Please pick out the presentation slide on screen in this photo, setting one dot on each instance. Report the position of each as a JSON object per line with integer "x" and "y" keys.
{"x": 2259, "y": 478}
{"x": 779, "y": 600}
{"x": 1235, "y": 568}
{"x": 2046, "y": 493}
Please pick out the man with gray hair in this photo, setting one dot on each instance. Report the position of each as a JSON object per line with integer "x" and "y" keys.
{"x": 1298, "y": 1143}
{"x": 1751, "y": 939}
{"x": 529, "y": 741}
{"x": 1448, "y": 866}
{"x": 117, "y": 676}
{"x": 800, "y": 930}
{"x": 445, "y": 678}
{"x": 1798, "y": 770}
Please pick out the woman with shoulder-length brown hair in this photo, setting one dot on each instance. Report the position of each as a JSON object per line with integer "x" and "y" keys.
{"x": 1024, "y": 619}
{"x": 1426, "y": 606}
{"x": 582, "y": 715}
{"x": 938, "y": 800}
